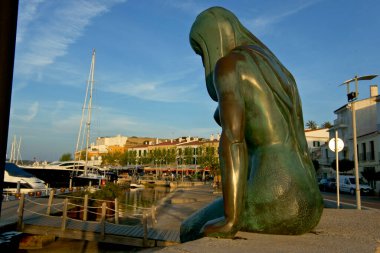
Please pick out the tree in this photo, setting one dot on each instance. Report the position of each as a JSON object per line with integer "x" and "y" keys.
{"x": 326, "y": 124}
{"x": 210, "y": 160}
{"x": 369, "y": 174}
{"x": 311, "y": 124}
{"x": 316, "y": 165}
{"x": 66, "y": 157}
{"x": 344, "y": 165}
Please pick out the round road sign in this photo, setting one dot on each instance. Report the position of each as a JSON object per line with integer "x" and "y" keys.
{"x": 332, "y": 145}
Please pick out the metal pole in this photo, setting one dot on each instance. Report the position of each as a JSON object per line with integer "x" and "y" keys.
{"x": 20, "y": 213}
{"x": 358, "y": 202}
{"x": 337, "y": 170}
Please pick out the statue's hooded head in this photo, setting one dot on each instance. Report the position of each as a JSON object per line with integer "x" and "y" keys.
{"x": 215, "y": 32}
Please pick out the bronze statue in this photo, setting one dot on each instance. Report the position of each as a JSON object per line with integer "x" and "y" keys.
{"x": 268, "y": 179}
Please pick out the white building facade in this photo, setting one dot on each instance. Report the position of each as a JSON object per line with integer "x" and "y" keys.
{"x": 367, "y": 131}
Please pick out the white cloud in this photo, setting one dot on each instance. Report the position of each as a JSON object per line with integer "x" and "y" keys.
{"x": 189, "y": 6}
{"x": 67, "y": 124}
{"x": 167, "y": 87}
{"x": 50, "y": 35}
{"x": 30, "y": 114}
{"x": 153, "y": 91}
{"x": 263, "y": 22}
{"x": 27, "y": 13}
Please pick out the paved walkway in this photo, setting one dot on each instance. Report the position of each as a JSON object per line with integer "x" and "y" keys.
{"x": 181, "y": 204}
{"x": 343, "y": 230}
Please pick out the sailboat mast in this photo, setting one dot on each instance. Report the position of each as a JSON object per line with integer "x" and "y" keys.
{"x": 87, "y": 104}
{"x": 18, "y": 157}
{"x": 13, "y": 147}
{"x": 88, "y": 123}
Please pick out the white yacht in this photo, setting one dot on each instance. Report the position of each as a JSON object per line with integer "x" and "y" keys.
{"x": 59, "y": 173}
{"x": 16, "y": 180}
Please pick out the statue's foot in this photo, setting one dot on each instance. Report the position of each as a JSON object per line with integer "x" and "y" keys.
{"x": 220, "y": 228}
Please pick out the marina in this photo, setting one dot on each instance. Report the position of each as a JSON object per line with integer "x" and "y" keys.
{"x": 158, "y": 221}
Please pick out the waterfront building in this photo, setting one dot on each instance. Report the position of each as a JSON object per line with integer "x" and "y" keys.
{"x": 316, "y": 140}
{"x": 368, "y": 136}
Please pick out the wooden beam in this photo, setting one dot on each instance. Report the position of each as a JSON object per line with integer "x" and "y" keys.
{"x": 88, "y": 236}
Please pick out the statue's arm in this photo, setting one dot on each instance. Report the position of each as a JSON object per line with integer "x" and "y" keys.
{"x": 233, "y": 150}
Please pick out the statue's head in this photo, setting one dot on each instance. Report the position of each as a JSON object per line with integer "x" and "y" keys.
{"x": 215, "y": 32}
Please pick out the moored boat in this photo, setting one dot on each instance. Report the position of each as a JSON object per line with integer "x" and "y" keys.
{"x": 58, "y": 174}
{"x": 136, "y": 186}
{"x": 16, "y": 180}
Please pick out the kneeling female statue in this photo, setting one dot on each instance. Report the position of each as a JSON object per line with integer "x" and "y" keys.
{"x": 268, "y": 179}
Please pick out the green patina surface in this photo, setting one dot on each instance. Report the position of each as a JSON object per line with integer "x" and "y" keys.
{"x": 268, "y": 178}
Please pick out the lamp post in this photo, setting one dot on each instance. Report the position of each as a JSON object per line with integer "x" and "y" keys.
{"x": 176, "y": 171}
{"x": 195, "y": 161}
{"x": 135, "y": 172}
{"x": 156, "y": 168}
{"x": 336, "y": 145}
{"x": 351, "y": 97}
{"x": 183, "y": 160}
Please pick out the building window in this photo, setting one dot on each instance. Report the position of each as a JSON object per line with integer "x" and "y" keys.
{"x": 316, "y": 144}
{"x": 364, "y": 151}
{"x": 372, "y": 150}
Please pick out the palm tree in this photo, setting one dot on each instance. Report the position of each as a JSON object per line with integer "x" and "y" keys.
{"x": 311, "y": 124}
{"x": 326, "y": 124}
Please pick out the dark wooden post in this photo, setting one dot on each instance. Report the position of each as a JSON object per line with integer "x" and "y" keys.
{"x": 64, "y": 214}
{"x": 116, "y": 211}
{"x": 153, "y": 209}
{"x": 145, "y": 225}
{"x": 103, "y": 219}
{"x": 51, "y": 196}
{"x": 85, "y": 207}
{"x": 20, "y": 213}
{"x": 8, "y": 25}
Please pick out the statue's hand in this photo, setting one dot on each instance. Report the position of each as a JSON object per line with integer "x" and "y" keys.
{"x": 219, "y": 228}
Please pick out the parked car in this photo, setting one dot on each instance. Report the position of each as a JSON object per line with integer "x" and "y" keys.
{"x": 347, "y": 184}
{"x": 327, "y": 184}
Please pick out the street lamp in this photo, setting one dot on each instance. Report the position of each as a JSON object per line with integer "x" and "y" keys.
{"x": 156, "y": 168}
{"x": 336, "y": 149}
{"x": 176, "y": 172}
{"x": 351, "y": 97}
{"x": 183, "y": 160}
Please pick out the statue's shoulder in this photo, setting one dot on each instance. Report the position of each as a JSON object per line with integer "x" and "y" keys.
{"x": 251, "y": 50}
{"x": 241, "y": 54}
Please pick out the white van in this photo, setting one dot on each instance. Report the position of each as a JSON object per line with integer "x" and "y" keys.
{"x": 347, "y": 184}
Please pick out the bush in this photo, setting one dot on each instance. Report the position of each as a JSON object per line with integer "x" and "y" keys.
{"x": 344, "y": 165}
{"x": 109, "y": 192}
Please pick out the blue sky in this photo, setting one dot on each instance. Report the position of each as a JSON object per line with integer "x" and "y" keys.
{"x": 148, "y": 81}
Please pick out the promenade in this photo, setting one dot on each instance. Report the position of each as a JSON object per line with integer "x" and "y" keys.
{"x": 343, "y": 230}
{"x": 340, "y": 230}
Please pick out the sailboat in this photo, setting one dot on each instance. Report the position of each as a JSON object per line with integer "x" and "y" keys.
{"x": 90, "y": 173}
{"x": 15, "y": 156}
{"x": 83, "y": 172}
